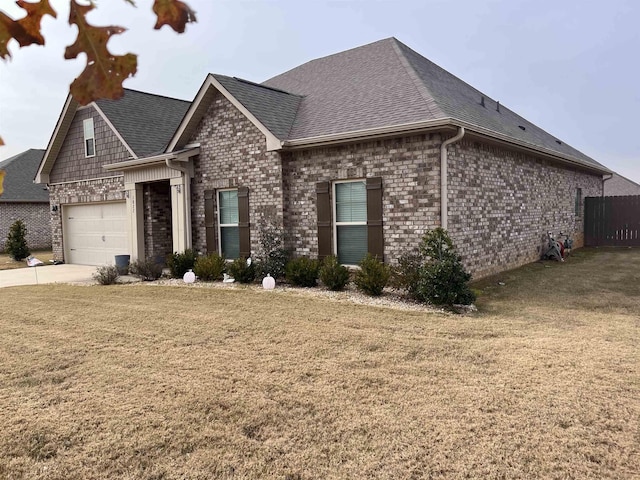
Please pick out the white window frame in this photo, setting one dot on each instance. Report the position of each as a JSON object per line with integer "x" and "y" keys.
{"x": 220, "y": 224}
{"x": 85, "y": 124}
{"x": 334, "y": 210}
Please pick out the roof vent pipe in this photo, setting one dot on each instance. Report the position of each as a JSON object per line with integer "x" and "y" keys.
{"x": 482, "y": 101}
{"x": 498, "y": 107}
{"x": 444, "y": 193}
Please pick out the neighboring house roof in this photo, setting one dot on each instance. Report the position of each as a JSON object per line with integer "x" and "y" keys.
{"x": 386, "y": 83}
{"x": 145, "y": 121}
{"x": 18, "y": 182}
{"x": 618, "y": 185}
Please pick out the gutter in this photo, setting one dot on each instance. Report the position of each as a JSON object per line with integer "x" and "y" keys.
{"x": 444, "y": 191}
{"x": 604, "y": 180}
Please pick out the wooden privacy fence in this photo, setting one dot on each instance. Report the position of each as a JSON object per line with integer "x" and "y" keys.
{"x": 612, "y": 221}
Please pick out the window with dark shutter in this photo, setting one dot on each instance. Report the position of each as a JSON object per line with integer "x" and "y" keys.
{"x": 228, "y": 223}
{"x": 209, "y": 221}
{"x": 323, "y": 209}
{"x": 243, "y": 222}
{"x": 350, "y": 213}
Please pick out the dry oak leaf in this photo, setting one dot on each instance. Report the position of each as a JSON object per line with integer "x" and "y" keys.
{"x": 25, "y": 31}
{"x": 104, "y": 72}
{"x": 174, "y": 13}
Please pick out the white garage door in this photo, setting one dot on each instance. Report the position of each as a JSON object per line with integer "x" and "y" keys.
{"x": 95, "y": 234}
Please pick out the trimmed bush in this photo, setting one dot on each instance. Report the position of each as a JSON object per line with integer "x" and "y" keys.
{"x": 106, "y": 275}
{"x": 146, "y": 269}
{"x": 181, "y": 263}
{"x": 16, "y": 245}
{"x": 407, "y": 273}
{"x": 242, "y": 272}
{"x": 333, "y": 275}
{"x": 209, "y": 267}
{"x": 373, "y": 276}
{"x": 303, "y": 272}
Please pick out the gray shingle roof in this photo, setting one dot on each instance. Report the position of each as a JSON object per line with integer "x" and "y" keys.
{"x": 385, "y": 84}
{"x": 275, "y": 109}
{"x": 18, "y": 182}
{"x": 146, "y": 121}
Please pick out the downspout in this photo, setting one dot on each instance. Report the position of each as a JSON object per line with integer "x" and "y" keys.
{"x": 444, "y": 200}
{"x": 604, "y": 180}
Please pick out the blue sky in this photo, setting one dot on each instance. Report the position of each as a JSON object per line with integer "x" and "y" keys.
{"x": 571, "y": 67}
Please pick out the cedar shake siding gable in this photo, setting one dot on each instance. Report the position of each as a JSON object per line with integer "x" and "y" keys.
{"x": 71, "y": 163}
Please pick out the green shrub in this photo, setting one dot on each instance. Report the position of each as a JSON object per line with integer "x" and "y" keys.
{"x": 146, "y": 269}
{"x": 273, "y": 256}
{"x": 332, "y": 274}
{"x": 181, "y": 263}
{"x": 303, "y": 272}
{"x": 442, "y": 279}
{"x": 407, "y": 273}
{"x": 106, "y": 275}
{"x": 16, "y": 245}
{"x": 209, "y": 267}
{"x": 242, "y": 272}
{"x": 373, "y": 276}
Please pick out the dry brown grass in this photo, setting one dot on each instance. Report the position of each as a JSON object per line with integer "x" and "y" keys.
{"x": 8, "y": 263}
{"x": 158, "y": 382}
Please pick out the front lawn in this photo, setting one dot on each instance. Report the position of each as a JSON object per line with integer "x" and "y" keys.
{"x": 8, "y": 263}
{"x": 159, "y": 382}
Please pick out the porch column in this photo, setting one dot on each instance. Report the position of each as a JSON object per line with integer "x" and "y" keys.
{"x": 135, "y": 219}
{"x": 181, "y": 212}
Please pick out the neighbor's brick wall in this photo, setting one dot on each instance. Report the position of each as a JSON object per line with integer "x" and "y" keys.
{"x": 71, "y": 163}
{"x": 158, "y": 240}
{"x": 233, "y": 153}
{"x": 103, "y": 190}
{"x": 35, "y": 217}
{"x": 410, "y": 173}
{"x": 502, "y": 203}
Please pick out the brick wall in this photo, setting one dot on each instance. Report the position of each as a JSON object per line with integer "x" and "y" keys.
{"x": 158, "y": 240}
{"x": 409, "y": 168}
{"x": 71, "y": 163}
{"x": 502, "y": 203}
{"x": 233, "y": 153}
{"x": 35, "y": 217}
{"x": 103, "y": 190}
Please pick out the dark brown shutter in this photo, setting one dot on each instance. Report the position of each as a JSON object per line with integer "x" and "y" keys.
{"x": 323, "y": 207}
{"x": 375, "y": 239}
{"x": 209, "y": 221}
{"x": 243, "y": 222}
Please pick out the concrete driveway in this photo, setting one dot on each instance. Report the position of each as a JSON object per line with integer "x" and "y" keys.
{"x": 46, "y": 274}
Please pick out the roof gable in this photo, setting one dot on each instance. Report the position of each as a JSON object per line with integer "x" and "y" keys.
{"x": 18, "y": 183}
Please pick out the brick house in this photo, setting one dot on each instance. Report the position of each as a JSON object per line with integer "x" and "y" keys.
{"x": 349, "y": 153}
{"x": 24, "y": 200}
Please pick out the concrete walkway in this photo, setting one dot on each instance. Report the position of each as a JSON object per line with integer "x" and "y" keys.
{"x": 46, "y": 274}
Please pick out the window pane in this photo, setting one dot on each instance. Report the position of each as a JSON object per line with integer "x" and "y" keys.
{"x": 228, "y": 207}
{"x": 230, "y": 242}
{"x": 351, "y": 202}
{"x": 352, "y": 243}
{"x": 88, "y": 128}
{"x": 90, "y": 147}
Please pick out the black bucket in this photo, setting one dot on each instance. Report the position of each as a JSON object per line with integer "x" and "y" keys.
{"x": 122, "y": 264}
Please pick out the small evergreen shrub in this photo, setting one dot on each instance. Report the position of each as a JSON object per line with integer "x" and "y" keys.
{"x": 242, "y": 272}
{"x": 146, "y": 269}
{"x": 407, "y": 273}
{"x": 332, "y": 274}
{"x": 16, "y": 245}
{"x": 181, "y": 263}
{"x": 209, "y": 267}
{"x": 303, "y": 272}
{"x": 273, "y": 256}
{"x": 442, "y": 279}
{"x": 373, "y": 276}
{"x": 106, "y": 275}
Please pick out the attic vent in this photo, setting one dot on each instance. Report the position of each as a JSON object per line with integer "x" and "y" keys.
{"x": 482, "y": 101}
{"x": 498, "y": 107}
{"x": 558, "y": 142}
{"x": 521, "y": 128}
